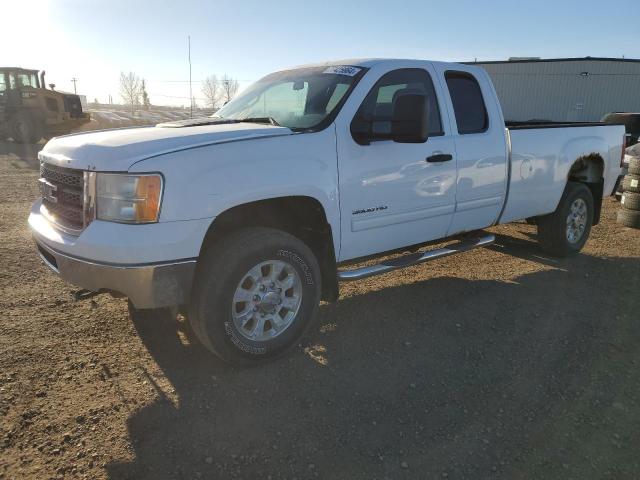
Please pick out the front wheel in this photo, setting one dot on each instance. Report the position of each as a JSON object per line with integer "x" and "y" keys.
{"x": 25, "y": 129}
{"x": 255, "y": 293}
{"x": 565, "y": 231}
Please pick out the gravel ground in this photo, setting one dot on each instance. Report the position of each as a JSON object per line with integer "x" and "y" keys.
{"x": 499, "y": 363}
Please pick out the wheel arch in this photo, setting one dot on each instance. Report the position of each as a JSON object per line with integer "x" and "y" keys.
{"x": 589, "y": 169}
{"x": 299, "y": 215}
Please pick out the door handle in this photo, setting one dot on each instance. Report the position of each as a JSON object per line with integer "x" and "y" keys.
{"x": 440, "y": 157}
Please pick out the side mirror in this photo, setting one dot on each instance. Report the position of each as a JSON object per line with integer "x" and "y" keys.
{"x": 409, "y": 122}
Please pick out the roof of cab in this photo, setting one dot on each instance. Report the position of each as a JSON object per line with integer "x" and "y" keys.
{"x": 19, "y": 69}
{"x": 369, "y": 62}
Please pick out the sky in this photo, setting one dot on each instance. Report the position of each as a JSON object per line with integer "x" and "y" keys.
{"x": 94, "y": 40}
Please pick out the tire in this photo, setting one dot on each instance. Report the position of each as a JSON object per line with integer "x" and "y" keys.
{"x": 229, "y": 281}
{"x": 554, "y": 234}
{"x": 629, "y": 218}
{"x": 630, "y": 201}
{"x": 631, "y": 183}
{"x": 634, "y": 166}
{"x": 24, "y": 129}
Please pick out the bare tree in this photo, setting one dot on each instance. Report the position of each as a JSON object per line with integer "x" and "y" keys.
{"x": 211, "y": 90}
{"x": 146, "y": 102}
{"x": 229, "y": 87}
{"x": 130, "y": 89}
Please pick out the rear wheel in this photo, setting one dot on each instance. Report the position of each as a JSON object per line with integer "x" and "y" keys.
{"x": 255, "y": 293}
{"x": 565, "y": 231}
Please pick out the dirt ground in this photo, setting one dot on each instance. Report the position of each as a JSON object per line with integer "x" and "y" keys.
{"x": 499, "y": 363}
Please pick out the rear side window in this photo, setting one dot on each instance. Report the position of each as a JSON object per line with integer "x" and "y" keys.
{"x": 468, "y": 105}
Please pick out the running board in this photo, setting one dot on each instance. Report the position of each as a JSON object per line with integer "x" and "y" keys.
{"x": 415, "y": 258}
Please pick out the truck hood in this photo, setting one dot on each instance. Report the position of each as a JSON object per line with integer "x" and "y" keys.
{"x": 119, "y": 149}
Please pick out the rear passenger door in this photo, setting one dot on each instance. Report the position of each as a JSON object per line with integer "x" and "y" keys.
{"x": 480, "y": 143}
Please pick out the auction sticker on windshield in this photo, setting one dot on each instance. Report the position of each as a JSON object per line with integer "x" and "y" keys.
{"x": 343, "y": 70}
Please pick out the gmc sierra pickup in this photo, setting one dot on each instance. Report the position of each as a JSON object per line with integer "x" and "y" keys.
{"x": 250, "y": 217}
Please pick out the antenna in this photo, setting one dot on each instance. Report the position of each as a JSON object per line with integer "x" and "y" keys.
{"x": 190, "y": 90}
{"x": 74, "y": 80}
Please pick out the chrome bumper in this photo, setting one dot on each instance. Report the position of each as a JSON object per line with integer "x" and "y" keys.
{"x": 147, "y": 286}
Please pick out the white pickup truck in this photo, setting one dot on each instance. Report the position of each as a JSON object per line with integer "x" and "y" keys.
{"x": 248, "y": 218}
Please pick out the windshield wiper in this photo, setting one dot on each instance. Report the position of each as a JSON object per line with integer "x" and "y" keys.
{"x": 269, "y": 120}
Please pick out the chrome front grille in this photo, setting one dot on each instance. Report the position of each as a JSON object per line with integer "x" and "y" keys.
{"x": 62, "y": 191}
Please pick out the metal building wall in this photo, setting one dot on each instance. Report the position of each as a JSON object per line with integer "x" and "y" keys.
{"x": 571, "y": 90}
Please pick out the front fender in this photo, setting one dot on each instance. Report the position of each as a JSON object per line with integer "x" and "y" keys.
{"x": 206, "y": 181}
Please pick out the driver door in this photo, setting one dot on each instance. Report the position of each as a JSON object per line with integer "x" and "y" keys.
{"x": 396, "y": 194}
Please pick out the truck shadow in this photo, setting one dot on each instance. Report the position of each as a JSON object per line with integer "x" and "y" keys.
{"x": 474, "y": 378}
{"x": 526, "y": 249}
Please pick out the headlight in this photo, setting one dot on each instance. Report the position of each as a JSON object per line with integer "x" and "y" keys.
{"x": 128, "y": 198}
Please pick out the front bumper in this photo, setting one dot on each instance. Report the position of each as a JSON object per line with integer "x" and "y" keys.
{"x": 152, "y": 264}
{"x": 146, "y": 285}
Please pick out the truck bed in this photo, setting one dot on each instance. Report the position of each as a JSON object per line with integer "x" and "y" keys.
{"x": 542, "y": 155}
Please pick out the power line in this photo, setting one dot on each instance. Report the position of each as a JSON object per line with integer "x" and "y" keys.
{"x": 176, "y": 96}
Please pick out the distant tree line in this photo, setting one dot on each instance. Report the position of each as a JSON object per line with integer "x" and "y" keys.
{"x": 218, "y": 91}
{"x": 133, "y": 91}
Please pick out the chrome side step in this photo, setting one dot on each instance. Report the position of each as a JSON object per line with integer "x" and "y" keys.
{"x": 416, "y": 258}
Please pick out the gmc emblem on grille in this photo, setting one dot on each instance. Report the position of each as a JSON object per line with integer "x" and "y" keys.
{"x": 47, "y": 189}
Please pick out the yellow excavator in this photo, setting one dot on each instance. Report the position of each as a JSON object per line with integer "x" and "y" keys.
{"x": 29, "y": 111}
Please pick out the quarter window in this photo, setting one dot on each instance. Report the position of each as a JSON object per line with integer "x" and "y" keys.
{"x": 468, "y": 105}
{"x": 377, "y": 108}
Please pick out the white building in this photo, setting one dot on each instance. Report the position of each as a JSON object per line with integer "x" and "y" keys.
{"x": 565, "y": 89}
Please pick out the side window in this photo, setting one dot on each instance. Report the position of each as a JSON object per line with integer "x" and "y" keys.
{"x": 468, "y": 105}
{"x": 377, "y": 107}
{"x": 3, "y": 83}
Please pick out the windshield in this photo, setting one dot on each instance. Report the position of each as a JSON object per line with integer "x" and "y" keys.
{"x": 28, "y": 80}
{"x": 300, "y": 99}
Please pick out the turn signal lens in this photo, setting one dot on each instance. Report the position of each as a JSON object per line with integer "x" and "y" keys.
{"x": 148, "y": 188}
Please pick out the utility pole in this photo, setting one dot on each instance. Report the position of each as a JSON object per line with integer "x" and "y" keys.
{"x": 74, "y": 80}
{"x": 226, "y": 83}
{"x": 190, "y": 88}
